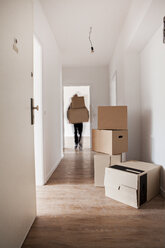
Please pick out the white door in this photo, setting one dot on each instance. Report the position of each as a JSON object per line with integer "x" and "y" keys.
{"x": 17, "y": 172}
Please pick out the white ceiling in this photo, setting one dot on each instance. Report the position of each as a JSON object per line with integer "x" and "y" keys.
{"x": 70, "y": 20}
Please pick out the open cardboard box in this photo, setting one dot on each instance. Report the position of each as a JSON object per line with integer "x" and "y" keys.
{"x": 132, "y": 182}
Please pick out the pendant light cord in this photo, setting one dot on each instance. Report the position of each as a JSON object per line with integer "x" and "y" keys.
{"x": 90, "y": 32}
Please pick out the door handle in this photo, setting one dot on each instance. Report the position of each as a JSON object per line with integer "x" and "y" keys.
{"x": 32, "y": 110}
{"x": 36, "y": 108}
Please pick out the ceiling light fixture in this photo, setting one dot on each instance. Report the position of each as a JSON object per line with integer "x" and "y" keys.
{"x": 90, "y": 32}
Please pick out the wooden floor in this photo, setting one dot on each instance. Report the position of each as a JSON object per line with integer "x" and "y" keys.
{"x": 73, "y": 213}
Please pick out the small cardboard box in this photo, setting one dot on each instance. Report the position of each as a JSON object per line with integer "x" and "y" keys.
{"x": 78, "y": 102}
{"x": 112, "y": 142}
{"x": 132, "y": 182}
{"x": 78, "y": 115}
{"x": 101, "y": 161}
{"x": 112, "y": 117}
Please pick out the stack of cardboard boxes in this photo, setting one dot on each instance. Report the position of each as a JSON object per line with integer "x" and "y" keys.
{"x": 110, "y": 139}
{"x": 131, "y": 182}
{"x": 77, "y": 112}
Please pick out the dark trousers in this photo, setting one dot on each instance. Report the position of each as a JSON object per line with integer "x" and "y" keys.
{"x": 78, "y": 128}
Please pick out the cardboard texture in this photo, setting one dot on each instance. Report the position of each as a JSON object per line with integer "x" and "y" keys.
{"x": 78, "y": 102}
{"x": 101, "y": 161}
{"x": 132, "y": 182}
{"x": 111, "y": 142}
{"x": 78, "y": 115}
{"x": 112, "y": 117}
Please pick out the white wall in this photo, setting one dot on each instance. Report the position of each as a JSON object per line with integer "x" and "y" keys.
{"x": 98, "y": 80}
{"x": 153, "y": 101}
{"x": 139, "y": 61}
{"x": 52, "y": 92}
{"x": 125, "y": 62}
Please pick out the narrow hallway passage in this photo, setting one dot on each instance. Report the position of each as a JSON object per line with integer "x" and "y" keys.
{"x": 72, "y": 212}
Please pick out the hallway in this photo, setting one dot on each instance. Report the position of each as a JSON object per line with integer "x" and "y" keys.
{"x": 71, "y": 212}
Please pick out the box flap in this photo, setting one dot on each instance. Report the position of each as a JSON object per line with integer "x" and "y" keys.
{"x": 124, "y": 194}
{"x": 140, "y": 165}
{"x": 78, "y": 102}
{"x": 127, "y": 169}
{"x": 115, "y": 177}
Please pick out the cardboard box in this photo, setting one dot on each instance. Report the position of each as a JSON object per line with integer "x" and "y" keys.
{"x": 132, "y": 182}
{"x": 111, "y": 142}
{"x": 101, "y": 161}
{"x": 78, "y": 102}
{"x": 112, "y": 117}
{"x": 78, "y": 115}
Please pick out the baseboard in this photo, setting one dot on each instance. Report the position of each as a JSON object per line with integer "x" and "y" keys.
{"x": 53, "y": 169}
{"x": 162, "y": 192}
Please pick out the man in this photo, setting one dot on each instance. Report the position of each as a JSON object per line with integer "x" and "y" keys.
{"x": 81, "y": 114}
{"x": 78, "y": 129}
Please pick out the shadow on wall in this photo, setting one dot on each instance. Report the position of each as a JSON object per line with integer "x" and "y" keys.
{"x": 148, "y": 146}
{"x": 134, "y": 136}
{"x": 146, "y": 137}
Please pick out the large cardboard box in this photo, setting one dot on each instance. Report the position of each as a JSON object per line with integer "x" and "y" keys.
{"x": 112, "y": 117}
{"x": 78, "y": 115}
{"x": 132, "y": 182}
{"x": 78, "y": 102}
{"x": 101, "y": 161}
{"x": 111, "y": 142}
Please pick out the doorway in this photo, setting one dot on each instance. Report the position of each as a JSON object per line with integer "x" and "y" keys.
{"x": 38, "y": 119}
{"x": 68, "y": 92}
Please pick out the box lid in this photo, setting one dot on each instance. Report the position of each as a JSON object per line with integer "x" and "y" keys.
{"x": 115, "y": 176}
{"x": 112, "y": 117}
{"x": 124, "y": 194}
{"x": 78, "y": 102}
{"x": 140, "y": 165}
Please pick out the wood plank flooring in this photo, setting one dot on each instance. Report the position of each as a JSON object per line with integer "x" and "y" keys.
{"x": 71, "y": 212}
